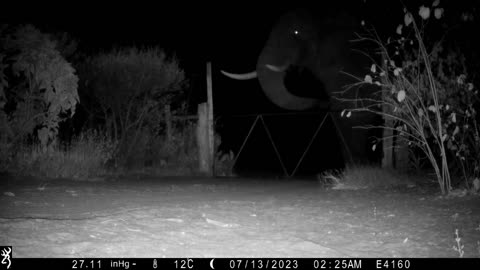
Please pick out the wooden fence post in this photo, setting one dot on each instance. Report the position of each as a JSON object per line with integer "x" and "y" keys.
{"x": 211, "y": 134}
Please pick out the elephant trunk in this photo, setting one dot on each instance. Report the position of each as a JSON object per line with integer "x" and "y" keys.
{"x": 274, "y": 88}
{"x": 271, "y": 76}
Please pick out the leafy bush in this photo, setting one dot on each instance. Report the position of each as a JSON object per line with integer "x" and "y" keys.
{"x": 425, "y": 94}
{"x": 128, "y": 89}
{"x": 38, "y": 88}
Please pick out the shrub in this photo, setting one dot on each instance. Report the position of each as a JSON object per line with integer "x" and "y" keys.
{"x": 425, "y": 94}
{"x": 128, "y": 89}
{"x": 38, "y": 88}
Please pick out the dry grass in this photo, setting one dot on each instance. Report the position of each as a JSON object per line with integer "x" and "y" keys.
{"x": 93, "y": 155}
{"x": 358, "y": 177}
{"x": 85, "y": 158}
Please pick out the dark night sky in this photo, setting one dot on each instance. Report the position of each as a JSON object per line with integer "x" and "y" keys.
{"x": 197, "y": 33}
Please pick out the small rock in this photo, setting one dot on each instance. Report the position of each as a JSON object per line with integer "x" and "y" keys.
{"x": 476, "y": 185}
{"x": 457, "y": 193}
{"x": 8, "y": 193}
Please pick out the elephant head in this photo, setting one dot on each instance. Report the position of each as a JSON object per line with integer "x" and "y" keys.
{"x": 308, "y": 61}
{"x": 305, "y": 60}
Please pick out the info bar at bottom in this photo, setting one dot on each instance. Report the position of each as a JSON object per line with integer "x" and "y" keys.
{"x": 241, "y": 263}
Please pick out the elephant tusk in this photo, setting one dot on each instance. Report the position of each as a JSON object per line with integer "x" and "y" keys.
{"x": 277, "y": 68}
{"x": 245, "y": 76}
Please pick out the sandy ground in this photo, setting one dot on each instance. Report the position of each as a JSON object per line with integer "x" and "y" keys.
{"x": 201, "y": 217}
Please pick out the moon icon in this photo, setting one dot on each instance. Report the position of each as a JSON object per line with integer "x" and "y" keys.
{"x": 211, "y": 264}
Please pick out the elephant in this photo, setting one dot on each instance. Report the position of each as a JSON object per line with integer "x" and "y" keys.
{"x": 306, "y": 64}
